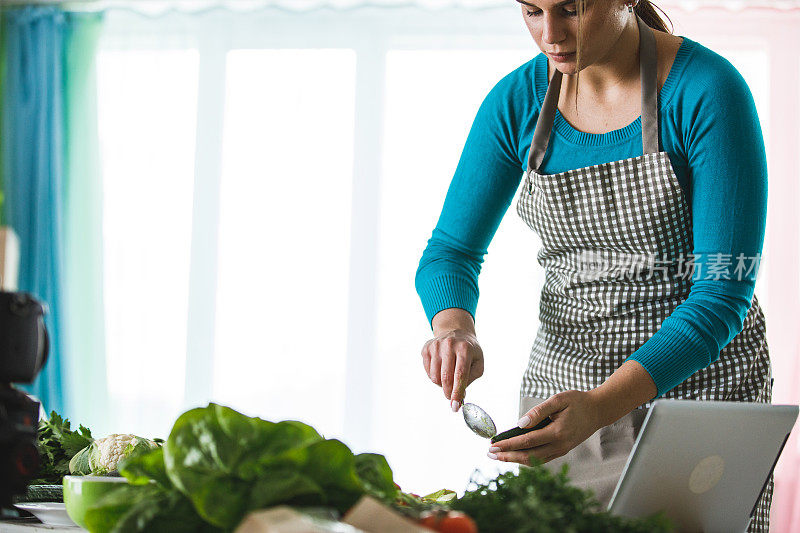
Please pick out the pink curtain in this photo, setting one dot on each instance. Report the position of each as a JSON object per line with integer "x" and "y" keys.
{"x": 775, "y": 30}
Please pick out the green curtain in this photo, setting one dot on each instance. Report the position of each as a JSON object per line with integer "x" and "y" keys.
{"x": 2, "y": 84}
{"x": 84, "y": 339}
{"x": 54, "y": 195}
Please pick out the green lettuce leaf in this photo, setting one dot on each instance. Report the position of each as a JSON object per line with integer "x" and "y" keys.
{"x": 162, "y": 512}
{"x": 140, "y": 469}
{"x": 79, "y": 464}
{"x": 228, "y": 464}
{"x": 376, "y": 476}
{"x": 103, "y": 515}
{"x": 218, "y": 465}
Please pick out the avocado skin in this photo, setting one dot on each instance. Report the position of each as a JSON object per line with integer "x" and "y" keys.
{"x": 515, "y": 432}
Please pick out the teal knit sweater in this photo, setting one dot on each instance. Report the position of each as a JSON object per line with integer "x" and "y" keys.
{"x": 710, "y": 130}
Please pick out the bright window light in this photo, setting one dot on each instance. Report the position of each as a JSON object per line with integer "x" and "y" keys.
{"x": 431, "y": 102}
{"x": 147, "y": 107}
{"x": 284, "y": 235}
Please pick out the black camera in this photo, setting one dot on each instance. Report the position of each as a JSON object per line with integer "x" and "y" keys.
{"x": 24, "y": 346}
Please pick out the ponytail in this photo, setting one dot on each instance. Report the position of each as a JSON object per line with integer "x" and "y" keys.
{"x": 647, "y": 12}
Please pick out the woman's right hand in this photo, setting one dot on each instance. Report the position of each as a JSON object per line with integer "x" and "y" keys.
{"x": 453, "y": 359}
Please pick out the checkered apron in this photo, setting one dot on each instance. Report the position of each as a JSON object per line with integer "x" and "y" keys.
{"x": 615, "y": 239}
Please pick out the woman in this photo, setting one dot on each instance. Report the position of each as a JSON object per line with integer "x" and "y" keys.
{"x": 645, "y": 180}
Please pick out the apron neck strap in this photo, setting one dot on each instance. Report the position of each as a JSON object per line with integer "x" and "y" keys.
{"x": 648, "y": 65}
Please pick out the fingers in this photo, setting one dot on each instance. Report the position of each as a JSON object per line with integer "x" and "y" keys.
{"x": 545, "y": 453}
{"x": 431, "y": 361}
{"x": 569, "y": 427}
{"x": 539, "y": 437}
{"x": 436, "y": 367}
{"x": 475, "y": 370}
{"x": 539, "y": 412}
{"x": 426, "y": 358}
{"x": 448, "y": 367}
{"x": 456, "y": 363}
{"x": 453, "y": 361}
{"x": 460, "y": 378}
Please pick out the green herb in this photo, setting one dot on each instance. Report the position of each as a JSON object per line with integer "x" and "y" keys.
{"x": 57, "y": 444}
{"x": 441, "y": 496}
{"x": 218, "y": 465}
{"x": 534, "y": 500}
{"x": 414, "y": 506}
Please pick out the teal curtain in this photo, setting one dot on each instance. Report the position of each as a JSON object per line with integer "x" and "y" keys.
{"x": 84, "y": 339}
{"x": 2, "y": 83}
{"x": 49, "y": 172}
{"x": 33, "y": 170}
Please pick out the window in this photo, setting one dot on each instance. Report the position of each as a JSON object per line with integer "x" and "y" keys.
{"x": 147, "y": 102}
{"x": 432, "y": 97}
{"x": 298, "y": 183}
{"x": 284, "y": 235}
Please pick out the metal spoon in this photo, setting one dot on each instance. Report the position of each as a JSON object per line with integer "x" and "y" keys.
{"x": 479, "y": 421}
{"x": 482, "y": 424}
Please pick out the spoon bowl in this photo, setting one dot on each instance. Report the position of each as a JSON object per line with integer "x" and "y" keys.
{"x": 482, "y": 424}
{"x": 479, "y": 421}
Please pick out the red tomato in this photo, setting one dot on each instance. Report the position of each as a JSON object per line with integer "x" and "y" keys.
{"x": 429, "y": 520}
{"x": 451, "y": 522}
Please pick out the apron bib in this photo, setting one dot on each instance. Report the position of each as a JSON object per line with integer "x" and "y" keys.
{"x": 615, "y": 241}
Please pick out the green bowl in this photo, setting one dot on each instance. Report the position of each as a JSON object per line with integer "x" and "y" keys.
{"x": 80, "y": 492}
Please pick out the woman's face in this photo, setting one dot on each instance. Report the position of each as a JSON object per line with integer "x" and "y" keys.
{"x": 554, "y": 26}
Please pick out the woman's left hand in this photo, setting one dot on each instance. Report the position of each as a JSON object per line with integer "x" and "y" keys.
{"x": 575, "y": 416}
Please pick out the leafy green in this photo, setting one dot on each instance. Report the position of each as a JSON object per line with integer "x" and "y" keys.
{"x": 218, "y": 465}
{"x": 536, "y": 501}
{"x": 103, "y": 515}
{"x": 138, "y": 446}
{"x": 441, "y": 496}
{"x": 376, "y": 475}
{"x": 144, "y": 508}
{"x": 163, "y": 512}
{"x": 146, "y": 467}
{"x": 229, "y": 464}
{"x": 57, "y": 444}
{"x": 79, "y": 464}
{"x": 148, "y": 503}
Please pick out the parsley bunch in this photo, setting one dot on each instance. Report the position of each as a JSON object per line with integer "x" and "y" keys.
{"x": 57, "y": 443}
{"x": 536, "y": 501}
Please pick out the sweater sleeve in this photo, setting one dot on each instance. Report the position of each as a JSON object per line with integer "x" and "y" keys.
{"x": 725, "y": 150}
{"x": 486, "y": 178}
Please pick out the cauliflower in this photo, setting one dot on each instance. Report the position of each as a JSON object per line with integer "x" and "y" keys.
{"x": 102, "y": 457}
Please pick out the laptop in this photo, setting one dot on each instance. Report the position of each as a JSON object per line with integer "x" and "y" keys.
{"x": 705, "y": 463}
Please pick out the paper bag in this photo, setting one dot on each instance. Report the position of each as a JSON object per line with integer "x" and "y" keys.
{"x": 374, "y": 517}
